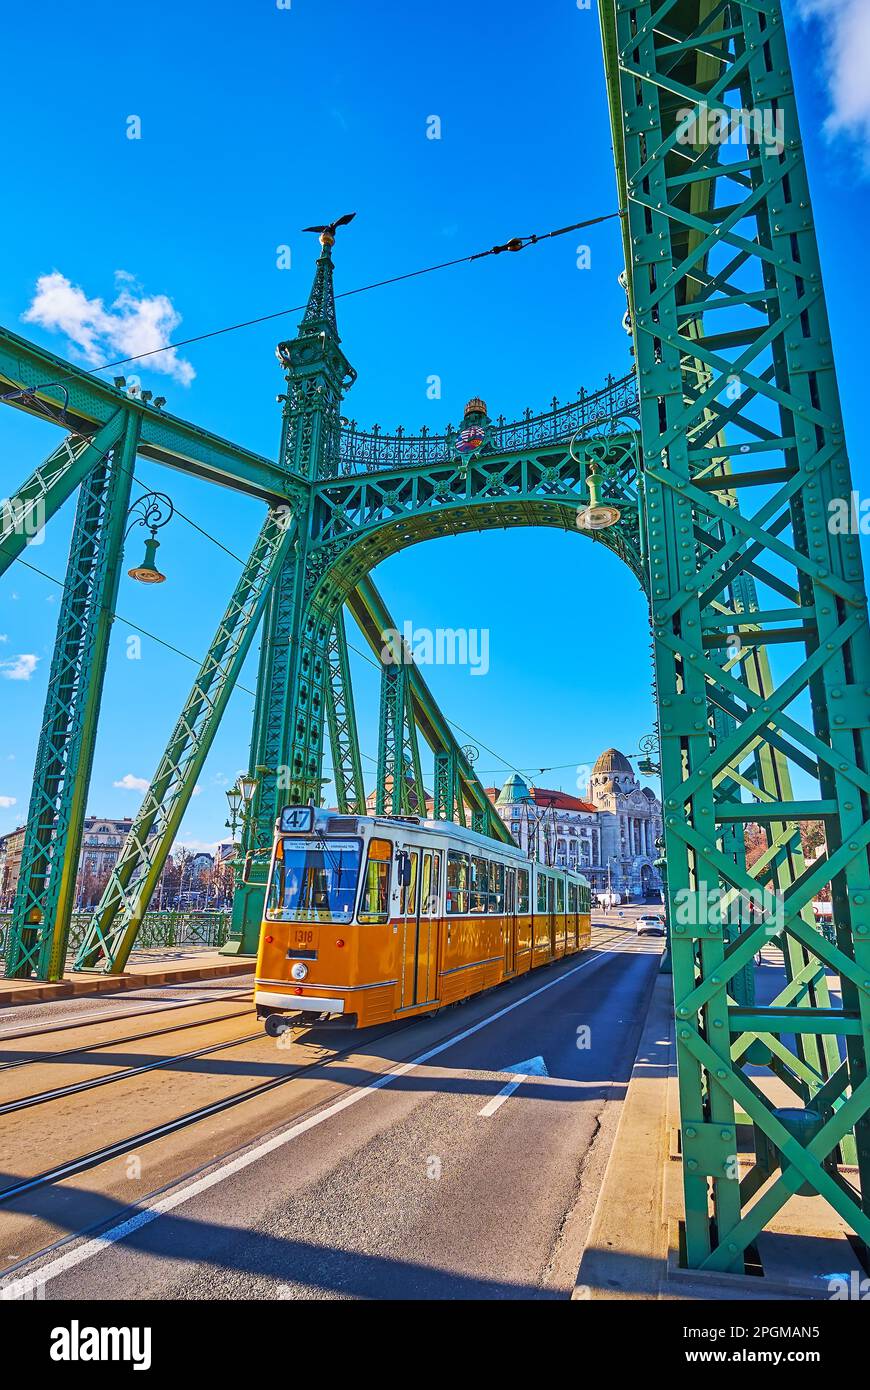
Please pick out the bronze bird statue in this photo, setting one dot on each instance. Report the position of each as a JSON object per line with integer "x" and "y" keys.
{"x": 327, "y": 232}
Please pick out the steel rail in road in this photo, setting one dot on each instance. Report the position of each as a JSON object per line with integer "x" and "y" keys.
{"x": 84, "y": 1162}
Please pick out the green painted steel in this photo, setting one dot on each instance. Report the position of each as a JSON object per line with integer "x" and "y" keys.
{"x": 374, "y": 619}
{"x": 45, "y": 893}
{"x": 26, "y": 512}
{"x": 341, "y": 715}
{"x": 743, "y": 450}
{"x": 116, "y": 920}
{"x": 399, "y": 789}
{"x": 47, "y": 386}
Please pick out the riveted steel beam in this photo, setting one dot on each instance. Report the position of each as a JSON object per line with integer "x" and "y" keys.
{"x": 45, "y": 892}
{"x": 710, "y": 226}
{"x": 112, "y": 930}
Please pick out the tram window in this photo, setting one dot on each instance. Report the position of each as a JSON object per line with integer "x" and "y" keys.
{"x": 457, "y": 882}
{"x": 374, "y": 903}
{"x": 522, "y": 890}
{"x": 560, "y": 895}
{"x": 430, "y": 901}
{"x": 496, "y": 887}
{"x": 572, "y": 897}
{"x": 551, "y": 895}
{"x": 408, "y": 891}
{"x": 479, "y": 885}
{"x": 542, "y": 892}
{"x": 314, "y": 882}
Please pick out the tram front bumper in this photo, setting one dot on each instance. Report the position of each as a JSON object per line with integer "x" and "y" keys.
{"x": 293, "y": 1002}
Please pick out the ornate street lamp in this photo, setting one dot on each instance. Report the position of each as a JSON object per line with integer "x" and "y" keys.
{"x": 649, "y": 747}
{"x": 600, "y": 514}
{"x": 152, "y": 510}
{"x": 247, "y": 785}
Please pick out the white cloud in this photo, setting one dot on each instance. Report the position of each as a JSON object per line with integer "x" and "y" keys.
{"x": 7, "y": 801}
{"x": 134, "y": 323}
{"x": 845, "y": 26}
{"x": 197, "y": 791}
{"x": 129, "y": 783}
{"x": 19, "y": 668}
{"x": 196, "y": 846}
{"x": 4, "y": 637}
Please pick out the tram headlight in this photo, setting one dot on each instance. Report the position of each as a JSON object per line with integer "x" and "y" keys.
{"x": 299, "y": 971}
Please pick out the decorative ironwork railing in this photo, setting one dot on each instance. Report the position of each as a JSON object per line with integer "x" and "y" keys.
{"x": 159, "y": 929}
{"x": 362, "y": 451}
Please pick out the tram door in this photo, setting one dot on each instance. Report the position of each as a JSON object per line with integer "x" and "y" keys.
{"x": 551, "y": 913}
{"x": 428, "y": 923}
{"x": 510, "y": 920}
{"x": 420, "y": 908}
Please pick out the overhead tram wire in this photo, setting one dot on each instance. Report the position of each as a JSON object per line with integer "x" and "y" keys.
{"x": 515, "y": 244}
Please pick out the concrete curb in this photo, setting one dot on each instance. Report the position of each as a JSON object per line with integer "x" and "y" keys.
{"x": 626, "y": 1251}
{"x": 38, "y": 992}
{"x": 632, "y": 1250}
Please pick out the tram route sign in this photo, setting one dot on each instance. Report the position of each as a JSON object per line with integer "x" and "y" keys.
{"x": 297, "y": 820}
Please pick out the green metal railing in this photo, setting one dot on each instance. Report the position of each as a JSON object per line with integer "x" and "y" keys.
{"x": 159, "y": 929}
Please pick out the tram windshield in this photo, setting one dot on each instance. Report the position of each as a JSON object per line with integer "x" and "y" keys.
{"x": 314, "y": 881}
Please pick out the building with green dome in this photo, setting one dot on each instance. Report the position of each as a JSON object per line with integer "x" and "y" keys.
{"x": 609, "y": 835}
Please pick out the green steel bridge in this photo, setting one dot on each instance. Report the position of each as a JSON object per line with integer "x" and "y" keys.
{"x": 721, "y": 453}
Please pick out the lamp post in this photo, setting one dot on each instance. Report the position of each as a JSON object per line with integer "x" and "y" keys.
{"x": 240, "y": 798}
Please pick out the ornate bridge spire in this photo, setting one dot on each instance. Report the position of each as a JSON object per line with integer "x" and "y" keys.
{"x": 320, "y": 310}
{"x": 318, "y": 375}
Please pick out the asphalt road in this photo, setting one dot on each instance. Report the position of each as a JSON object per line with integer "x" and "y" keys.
{"x": 376, "y": 1175}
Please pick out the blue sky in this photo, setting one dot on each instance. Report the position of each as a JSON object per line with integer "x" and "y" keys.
{"x": 255, "y": 122}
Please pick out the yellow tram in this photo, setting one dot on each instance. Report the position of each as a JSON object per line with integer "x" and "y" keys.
{"x": 375, "y": 918}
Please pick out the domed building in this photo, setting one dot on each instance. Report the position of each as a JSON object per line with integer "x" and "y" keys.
{"x": 610, "y": 836}
{"x": 631, "y": 821}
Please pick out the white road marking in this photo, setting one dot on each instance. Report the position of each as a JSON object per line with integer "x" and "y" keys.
{"x": 520, "y": 1072}
{"x": 98, "y": 1245}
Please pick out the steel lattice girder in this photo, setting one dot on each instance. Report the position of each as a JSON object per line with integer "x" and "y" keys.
{"x": 45, "y": 891}
{"x": 706, "y": 233}
{"x": 357, "y": 522}
{"x": 374, "y": 619}
{"x": 399, "y": 790}
{"x": 43, "y": 384}
{"x": 113, "y": 927}
{"x": 341, "y": 714}
{"x": 36, "y": 501}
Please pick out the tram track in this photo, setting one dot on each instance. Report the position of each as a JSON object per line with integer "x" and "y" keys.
{"x": 67, "y": 1025}
{"x": 76, "y": 1087}
{"x": 96, "y": 1157}
{"x": 43, "y": 1058}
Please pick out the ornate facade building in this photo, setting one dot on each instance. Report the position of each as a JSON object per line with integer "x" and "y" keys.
{"x": 610, "y": 836}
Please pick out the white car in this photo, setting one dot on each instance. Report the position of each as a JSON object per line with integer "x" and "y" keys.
{"x": 650, "y": 925}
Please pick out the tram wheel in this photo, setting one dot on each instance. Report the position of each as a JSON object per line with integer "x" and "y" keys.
{"x": 276, "y": 1024}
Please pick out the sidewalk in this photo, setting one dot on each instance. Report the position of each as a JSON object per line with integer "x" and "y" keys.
{"x": 154, "y": 966}
{"x": 632, "y": 1251}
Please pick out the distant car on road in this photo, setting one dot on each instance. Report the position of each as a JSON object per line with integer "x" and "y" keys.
{"x": 650, "y": 924}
